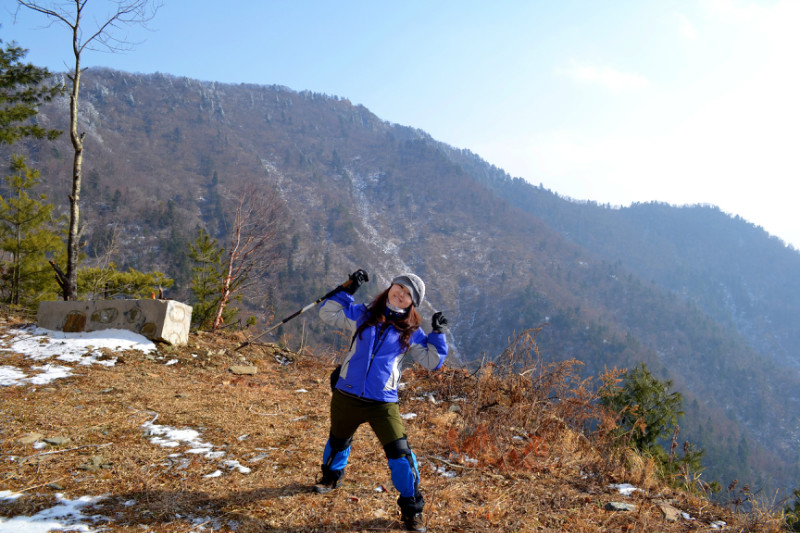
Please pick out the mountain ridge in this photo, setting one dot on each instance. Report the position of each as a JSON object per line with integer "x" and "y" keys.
{"x": 499, "y": 255}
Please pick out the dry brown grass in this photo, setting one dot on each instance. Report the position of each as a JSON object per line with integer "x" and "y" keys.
{"x": 513, "y": 437}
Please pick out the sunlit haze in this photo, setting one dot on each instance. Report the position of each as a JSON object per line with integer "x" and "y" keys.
{"x": 682, "y": 102}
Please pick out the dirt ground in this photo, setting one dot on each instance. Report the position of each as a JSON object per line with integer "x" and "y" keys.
{"x": 261, "y": 438}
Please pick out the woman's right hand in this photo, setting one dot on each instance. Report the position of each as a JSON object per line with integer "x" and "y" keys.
{"x": 357, "y": 278}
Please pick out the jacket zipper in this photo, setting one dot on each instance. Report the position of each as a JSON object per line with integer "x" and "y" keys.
{"x": 376, "y": 347}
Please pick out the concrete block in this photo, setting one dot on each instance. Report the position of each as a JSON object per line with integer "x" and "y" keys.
{"x": 158, "y": 320}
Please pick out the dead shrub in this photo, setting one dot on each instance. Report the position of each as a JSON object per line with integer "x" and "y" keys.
{"x": 520, "y": 412}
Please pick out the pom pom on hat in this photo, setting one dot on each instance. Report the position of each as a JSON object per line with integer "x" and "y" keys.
{"x": 414, "y": 285}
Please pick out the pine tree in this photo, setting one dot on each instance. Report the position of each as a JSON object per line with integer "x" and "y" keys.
{"x": 207, "y": 275}
{"x": 647, "y": 414}
{"x": 108, "y": 282}
{"x": 647, "y": 410}
{"x": 22, "y": 89}
{"x": 792, "y": 513}
{"x": 28, "y": 234}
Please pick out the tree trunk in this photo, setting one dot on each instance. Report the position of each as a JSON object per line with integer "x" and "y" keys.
{"x": 223, "y": 301}
{"x": 73, "y": 245}
{"x": 127, "y": 12}
{"x": 230, "y": 273}
{"x": 15, "y": 273}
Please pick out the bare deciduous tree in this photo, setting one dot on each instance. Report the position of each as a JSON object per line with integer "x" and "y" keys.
{"x": 103, "y": 35}
{"x": 256, "y": 234}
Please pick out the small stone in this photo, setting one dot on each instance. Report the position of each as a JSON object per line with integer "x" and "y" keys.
{"x": 55, "y": 486}
{"x": 95, "y": 463}
{"x": 619, "y": 506}
{"x": 30, "y": 438}
{"x": 248, "y": 370}
{"x": 671, "y": 514}
{"x": 57, "y": 441}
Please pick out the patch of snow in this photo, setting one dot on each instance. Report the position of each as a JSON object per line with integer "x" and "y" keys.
{"x": 169, "y": 437}
{"x": 39, "y": 343}
{"x": 10, "y": 376}
{"x": 626, "y": 489}
{"x": 49, "y": 374}
{"x": 236, "y": 465}
{"x": 84, "y": 348}
{"x": 214, "y": 455}
{"x": 67, "y": 515}
{"x": 445, "y": 473}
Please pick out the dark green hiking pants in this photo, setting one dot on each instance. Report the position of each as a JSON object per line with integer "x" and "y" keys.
{"x": 347, "y": 413}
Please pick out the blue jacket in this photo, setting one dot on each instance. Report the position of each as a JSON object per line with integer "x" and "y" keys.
{"x": 371, "y": 368}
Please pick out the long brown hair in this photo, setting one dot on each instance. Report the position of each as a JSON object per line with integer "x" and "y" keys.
{"x": 376, "y": 314}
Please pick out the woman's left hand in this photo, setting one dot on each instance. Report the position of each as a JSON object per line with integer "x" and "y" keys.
{"x": 438, "y": 322}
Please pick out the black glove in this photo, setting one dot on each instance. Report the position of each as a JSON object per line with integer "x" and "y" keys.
{"x": 357, "y": 278}
{"x": 438, "y": 322}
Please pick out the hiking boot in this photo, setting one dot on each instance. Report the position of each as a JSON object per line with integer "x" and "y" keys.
{"x": 326, "y": 484}
{"x": 413, "y": 522}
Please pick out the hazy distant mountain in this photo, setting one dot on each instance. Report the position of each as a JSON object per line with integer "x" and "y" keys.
{"x": 706, "y": 300}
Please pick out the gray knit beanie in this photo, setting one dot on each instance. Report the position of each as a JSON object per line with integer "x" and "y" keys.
{"x": 414, "y": 285}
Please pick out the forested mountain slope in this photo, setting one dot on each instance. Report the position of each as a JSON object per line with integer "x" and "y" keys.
{"x": 651, "y": 283}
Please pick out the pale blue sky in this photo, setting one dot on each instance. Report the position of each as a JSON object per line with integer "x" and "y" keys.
{"x": 681, "y": 101}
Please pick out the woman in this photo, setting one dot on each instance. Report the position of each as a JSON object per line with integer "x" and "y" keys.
{"x": 365, "y": 389}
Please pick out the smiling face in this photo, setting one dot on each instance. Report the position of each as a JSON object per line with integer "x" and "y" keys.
{"x": 399, "y": 297}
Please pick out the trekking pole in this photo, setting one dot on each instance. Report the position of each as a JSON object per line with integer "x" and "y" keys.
{"x": 297, "y": 313}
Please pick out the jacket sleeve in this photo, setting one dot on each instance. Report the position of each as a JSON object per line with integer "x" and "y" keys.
{"x": 428, "y": 350}
{"x": 340, "y": 311}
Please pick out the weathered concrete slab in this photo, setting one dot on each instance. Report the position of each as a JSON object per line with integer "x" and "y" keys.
{"x": 158, "y": 320}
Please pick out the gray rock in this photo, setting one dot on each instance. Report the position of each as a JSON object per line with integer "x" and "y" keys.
{"x": 619, "y": 506}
